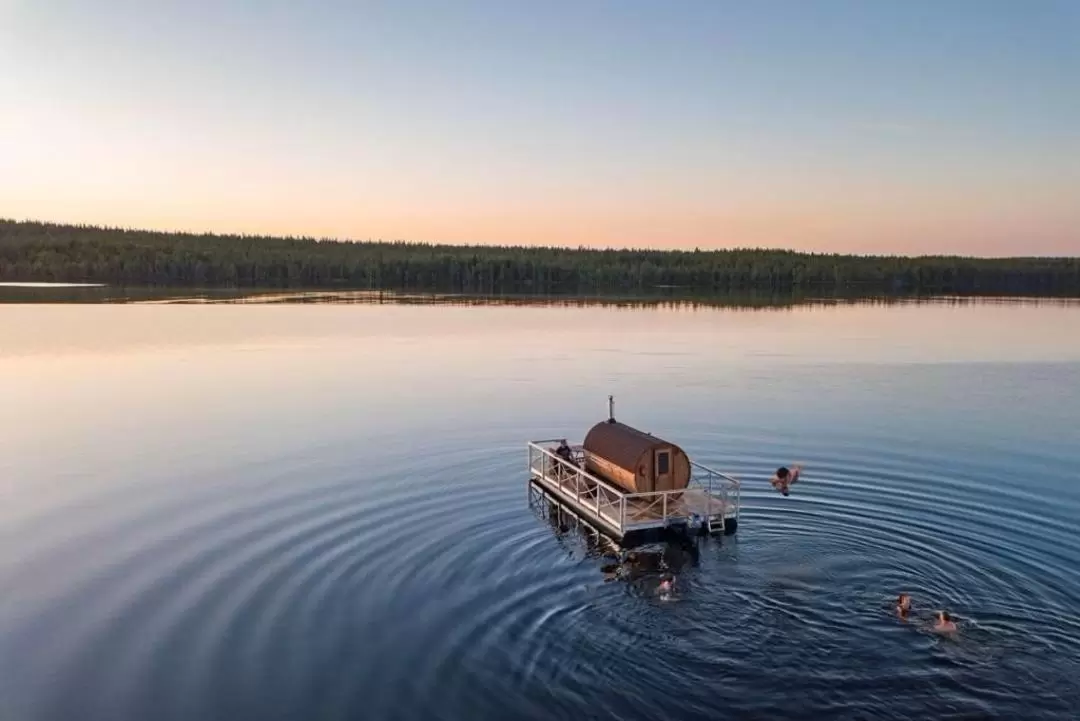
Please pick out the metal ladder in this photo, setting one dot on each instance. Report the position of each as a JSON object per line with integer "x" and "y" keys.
{"x": 709, "y": 524}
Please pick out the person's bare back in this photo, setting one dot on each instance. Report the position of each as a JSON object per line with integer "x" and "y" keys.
{"x": 944, "y": 624}
{"x": 783, "y": 479}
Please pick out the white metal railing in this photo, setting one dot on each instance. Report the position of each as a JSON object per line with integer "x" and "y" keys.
{"x": 727, "y": 487}
{"x": 591, "y": 494}
{"x": 625, "y": 510}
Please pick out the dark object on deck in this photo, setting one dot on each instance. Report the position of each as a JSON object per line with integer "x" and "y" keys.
{"x": 634, "y": 460}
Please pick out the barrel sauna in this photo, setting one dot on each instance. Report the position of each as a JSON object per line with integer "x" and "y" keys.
{"x": 635, "y": 461}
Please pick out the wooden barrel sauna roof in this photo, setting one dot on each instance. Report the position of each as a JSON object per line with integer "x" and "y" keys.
{"x": 621, "y": 444}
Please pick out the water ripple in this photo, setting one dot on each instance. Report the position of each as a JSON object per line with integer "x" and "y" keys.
{"x": 208, "y": 598}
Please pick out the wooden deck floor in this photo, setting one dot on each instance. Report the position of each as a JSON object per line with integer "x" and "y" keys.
{"x": 692, "y": 501}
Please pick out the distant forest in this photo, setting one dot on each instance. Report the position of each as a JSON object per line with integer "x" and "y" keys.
{"x": 45, "y": 252}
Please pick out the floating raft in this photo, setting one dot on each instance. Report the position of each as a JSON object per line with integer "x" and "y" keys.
{"x": 623, "y": 480}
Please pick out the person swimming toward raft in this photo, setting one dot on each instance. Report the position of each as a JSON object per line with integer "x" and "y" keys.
{"x": 944, "y": 624}
{"x": 667, "y": 583}
{"x": 903, "y": 605}
{"x": 783, "y": 479}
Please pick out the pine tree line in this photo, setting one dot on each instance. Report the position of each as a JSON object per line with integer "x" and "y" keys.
{"x": 34, "y": 251}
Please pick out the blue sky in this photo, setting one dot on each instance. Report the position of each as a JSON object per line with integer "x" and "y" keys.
{"x": 910, "y": 127}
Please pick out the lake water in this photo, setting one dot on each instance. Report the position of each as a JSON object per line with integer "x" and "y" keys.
{"x": 271, "y": 512}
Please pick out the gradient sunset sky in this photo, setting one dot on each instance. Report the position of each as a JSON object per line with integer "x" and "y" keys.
{"x": 945, "y": 126}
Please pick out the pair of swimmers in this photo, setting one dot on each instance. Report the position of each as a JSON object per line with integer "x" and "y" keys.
{"x": 782, "y": 481}
{"x": 943, "y": 622}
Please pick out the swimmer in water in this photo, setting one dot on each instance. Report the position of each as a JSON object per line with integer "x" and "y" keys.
{"x": 783, "y": 479}
{"x": 903, "y": 605}
{"x": 944, "y": 623}
{"x": 666, "y": 585}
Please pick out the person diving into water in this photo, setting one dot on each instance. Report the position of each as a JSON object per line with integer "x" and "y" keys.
{"x": 783, "y": 479}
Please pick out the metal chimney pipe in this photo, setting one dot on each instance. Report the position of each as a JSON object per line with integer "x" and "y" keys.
{"x": 611, "y": 409}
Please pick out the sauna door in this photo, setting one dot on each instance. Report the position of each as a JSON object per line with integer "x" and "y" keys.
{"x": 662, "y": 469}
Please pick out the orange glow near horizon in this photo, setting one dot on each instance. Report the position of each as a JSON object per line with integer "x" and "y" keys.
{"x": 822, "y": 230}
{"x": 379, "y": 126}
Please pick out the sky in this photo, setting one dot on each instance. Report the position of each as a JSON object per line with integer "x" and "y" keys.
{"x": 914, "y": 127}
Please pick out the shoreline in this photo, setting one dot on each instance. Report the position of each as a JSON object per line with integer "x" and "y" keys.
{"x": 97, "y": 293}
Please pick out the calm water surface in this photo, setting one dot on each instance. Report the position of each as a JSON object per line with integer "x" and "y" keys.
{"x": 320, "y": 512}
